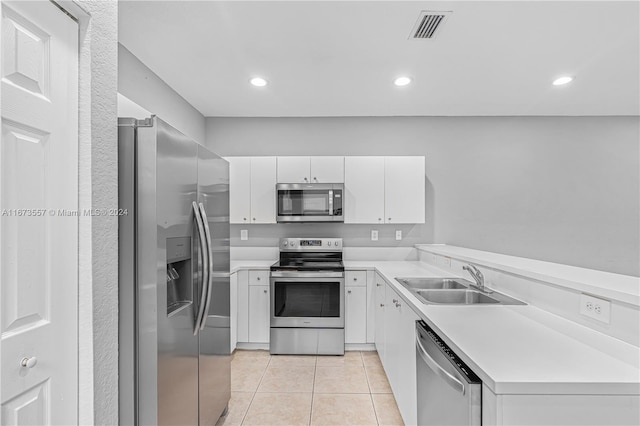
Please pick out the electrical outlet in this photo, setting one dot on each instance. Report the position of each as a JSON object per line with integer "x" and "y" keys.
{"x": 374, "y": 235}
{"x": 398, "y": 234}
{"x": 244, "y": 235}
{"x": 596, "y": 308}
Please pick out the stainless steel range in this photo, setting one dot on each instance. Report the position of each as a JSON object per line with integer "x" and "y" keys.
{"x": 307, "y": 297}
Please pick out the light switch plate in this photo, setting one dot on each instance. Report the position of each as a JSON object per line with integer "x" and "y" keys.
{"x": 596, "y": 308}
{"x": 398, "y": 234}
{"x": 244, "y": 234}
{"x": 374, "y": 235}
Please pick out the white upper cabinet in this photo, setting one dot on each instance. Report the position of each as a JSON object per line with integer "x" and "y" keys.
{"x": 263, "y": 190}
{"x": 239, "y": 189}
{"x": 404, "y": 189}
{"x": 294, "y": 169}
{"x": 327, "y": 170}
{"x": 252, "y": 189}
{"x": 364, "y": 189}
{"x": 310, "y": 169}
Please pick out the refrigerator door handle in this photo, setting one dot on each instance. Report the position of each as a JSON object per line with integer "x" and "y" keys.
{"x": 205, "y": 266}
{"x": 210, "y": 272}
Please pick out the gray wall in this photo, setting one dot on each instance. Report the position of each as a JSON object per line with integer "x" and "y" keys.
{"x": 142, "y": 86}
{"x": 560, "y": 189}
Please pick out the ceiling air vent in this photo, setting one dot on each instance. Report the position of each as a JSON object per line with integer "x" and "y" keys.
{"x": 429, "y": 24}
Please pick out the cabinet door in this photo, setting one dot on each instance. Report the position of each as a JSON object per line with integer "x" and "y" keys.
{"x": 391, "y": 362}
{"x": 404, "y": 189}
{"x": 355, "y": 326}
{"x": 293, "y": 169}
{"x": 263, "y": 190}
{"x": 243, "y": 306}
{"x": 327, "y": 170}
{"x": 379, "y": 316}
{"x": 239, "y": 189}
{"x": 371, "y": 306}
{"x": 364, "y": 189}
{"x": 259, "y": 314}
{"x": 406, "y": 374}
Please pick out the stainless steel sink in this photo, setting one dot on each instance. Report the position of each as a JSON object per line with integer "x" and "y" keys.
{"x": 455, "y": 297}
{"x": 434, "y": 283}
{"x": 454, "y": 291}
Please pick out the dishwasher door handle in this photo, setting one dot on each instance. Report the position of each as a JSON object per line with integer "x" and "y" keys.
{"x": 433, "y": 365}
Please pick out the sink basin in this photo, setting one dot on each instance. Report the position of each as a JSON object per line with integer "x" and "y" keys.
{"x": 434, "y": 283}
{"x": 455, "y": 297}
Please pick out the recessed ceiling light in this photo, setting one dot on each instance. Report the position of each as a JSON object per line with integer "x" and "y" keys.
{"x": 258, "y": 81}
{"x": 402, "y": 81}
{"x": 562, "y": 80}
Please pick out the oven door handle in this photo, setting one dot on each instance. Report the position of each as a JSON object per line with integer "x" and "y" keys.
{"x": 279, "y": 274}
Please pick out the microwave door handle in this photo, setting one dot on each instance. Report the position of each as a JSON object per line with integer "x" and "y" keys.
{"x": 331, "y": 202}
{"x": 205, "y": 266}
{"x": 441, "y": 372}
{"x": 210, "y": 272}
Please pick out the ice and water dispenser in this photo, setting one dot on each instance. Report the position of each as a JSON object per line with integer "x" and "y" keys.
{"x": 179, "y": 279}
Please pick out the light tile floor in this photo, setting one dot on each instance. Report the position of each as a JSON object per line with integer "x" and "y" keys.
{"x": 309, "y": 390}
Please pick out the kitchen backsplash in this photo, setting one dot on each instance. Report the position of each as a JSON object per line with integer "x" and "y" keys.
{"x": 352, "y": 235}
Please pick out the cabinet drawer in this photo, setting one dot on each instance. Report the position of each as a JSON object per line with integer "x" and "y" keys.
{"x": 258, "y": 277}
{"x": 355, "y": 278}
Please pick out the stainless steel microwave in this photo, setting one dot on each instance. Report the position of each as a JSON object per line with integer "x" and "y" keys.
{"x": 309, "y": 202}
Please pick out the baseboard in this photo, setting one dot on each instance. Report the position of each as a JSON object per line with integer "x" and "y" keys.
{"x": 359, "y": 347}
{"x": 265, "y": 346}
{"x": 252, "y": 346}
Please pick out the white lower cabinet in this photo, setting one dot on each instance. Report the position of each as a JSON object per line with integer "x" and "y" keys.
{"x": 253, "y": 307}
{"x": 380, "y": 287}
{"x": 400, "y": 355}
{"x": 259, "y": 314}
{"x": 355, "y": 309}
{"x": 355, "y": 321}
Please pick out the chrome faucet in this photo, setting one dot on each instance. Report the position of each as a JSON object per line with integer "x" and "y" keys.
{"x": 477, "y": 276}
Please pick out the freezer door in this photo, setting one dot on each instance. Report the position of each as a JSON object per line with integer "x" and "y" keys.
{"x": 177, "y": 266}
{"x": 215, "y": 361}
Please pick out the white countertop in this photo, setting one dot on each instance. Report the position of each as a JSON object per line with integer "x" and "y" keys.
{"x": 236, "y": 265}
{"x": 517, "y": 349}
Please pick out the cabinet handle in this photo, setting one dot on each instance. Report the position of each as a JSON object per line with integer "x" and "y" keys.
{"x": 244, "y": 218}
{"x": 355, "y": 278}
{"x": 382, "y": 305}
{"x": 389, "y": 219}
{"x": 315, "y": 178}
{"x": 265, "y": 291}
{"x": 398, "y": 305}
{"x": 379, "y": 219}
{"x": 254, "y": 218}
{"x": 29, "y": 362}
{"x": 395, "y": 300}
{"x": 378, "y": 285}
{"x": 306, "y": 180}
{"x": 349, "y": 291}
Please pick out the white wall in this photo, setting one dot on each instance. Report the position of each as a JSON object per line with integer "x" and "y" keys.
{"x": 98, "y": 236}
{"x": 142, "y": 86}
{"x": 560, "y": 189}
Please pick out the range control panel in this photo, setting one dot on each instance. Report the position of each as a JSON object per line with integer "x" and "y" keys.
{"x": 310, "y": 244}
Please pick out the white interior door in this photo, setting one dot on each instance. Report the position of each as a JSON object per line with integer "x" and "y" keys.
{"x": 39, "y": 222}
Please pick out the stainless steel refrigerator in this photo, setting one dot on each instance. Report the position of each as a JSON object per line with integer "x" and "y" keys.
{"x": 174, "y": 344}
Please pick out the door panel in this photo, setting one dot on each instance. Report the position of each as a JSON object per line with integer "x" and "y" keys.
{"x": 404, "y": 189}
{"x": 39, "y": 224}
{"x": 240, "y": 189}
{"x": 364, "y": 190}
{"x": 293, "y": 169}
{"x": 263, "y": 190}
{"x": 214, "y": 339}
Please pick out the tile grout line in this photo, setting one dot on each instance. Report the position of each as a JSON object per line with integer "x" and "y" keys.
{"x": 255, "y": 392}
{"x": 373, "y": 404}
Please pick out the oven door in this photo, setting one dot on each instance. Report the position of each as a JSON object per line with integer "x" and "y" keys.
{"x": 307, "y": 302}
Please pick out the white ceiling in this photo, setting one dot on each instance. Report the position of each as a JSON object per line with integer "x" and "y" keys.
{"x": 328, "y": 58}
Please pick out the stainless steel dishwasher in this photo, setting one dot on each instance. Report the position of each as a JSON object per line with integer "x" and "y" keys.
{"x": 449, "y": 393}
